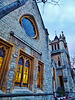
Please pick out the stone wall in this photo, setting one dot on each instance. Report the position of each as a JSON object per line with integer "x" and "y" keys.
{"x": 34, "y": 47}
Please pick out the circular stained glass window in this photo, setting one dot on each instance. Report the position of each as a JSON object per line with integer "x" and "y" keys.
{"x": 28, "y": 27}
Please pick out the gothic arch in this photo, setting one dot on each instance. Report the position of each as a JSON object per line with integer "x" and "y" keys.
{"x": 27, "y": 72}
{"x": 6, "y": 49}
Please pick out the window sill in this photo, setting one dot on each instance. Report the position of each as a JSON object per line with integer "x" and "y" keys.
{"x": 39, "y": 90}
{"x": 18, "y": 89}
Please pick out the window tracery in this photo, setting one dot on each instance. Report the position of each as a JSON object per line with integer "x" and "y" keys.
{"x": 5, "y": 53}
{"x": 24, "y": 71}
{"x": 40, "y": 75}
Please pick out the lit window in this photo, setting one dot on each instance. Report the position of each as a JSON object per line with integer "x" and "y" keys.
{"x": 2, "y": 52}
{"x": 5, "y": 53}
{"x": 19, "y": 72}
{"x": 40, "y": 75}
{"x": 24, "y": 72}
{"x": 29, "y": 25}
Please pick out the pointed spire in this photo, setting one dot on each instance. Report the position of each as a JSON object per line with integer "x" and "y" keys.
{"x": 60, "y": 36}
{"x": 63, "y": 37}
{"x": 62, "y": 32}
{"x": 56, "y": 37}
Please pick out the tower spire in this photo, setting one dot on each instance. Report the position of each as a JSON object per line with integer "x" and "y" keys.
{"x": 62, "y": 32}
{"x": 56, "y": 37}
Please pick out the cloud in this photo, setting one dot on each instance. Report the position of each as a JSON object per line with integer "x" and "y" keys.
{"x": 66, "y": 11}
{"x": 58, "y": 18}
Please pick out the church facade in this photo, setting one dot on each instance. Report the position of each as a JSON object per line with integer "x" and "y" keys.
{"x": 24, "y": 50}
{"x": 25, "y": 54}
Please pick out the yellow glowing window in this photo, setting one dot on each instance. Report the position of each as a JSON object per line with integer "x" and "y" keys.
{"x": 24, "y": 72}
{"x": 19, "y": 72}
{"x": 1, "y": 56}
{"x": 40, "y": 78}
{"x": 5, "y": 55}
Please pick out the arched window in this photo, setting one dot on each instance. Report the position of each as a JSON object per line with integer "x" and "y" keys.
{"x": 40, "y": 75}
{"x": 2, "y": 54}
{"x": 22, "y": 74}
{"x": 5, "y": 55}
{"x": 28, "y": 27}
{"x": 24, "y": 71}
{"x": 59, "y": 62}
{"x": 29, "y": 24}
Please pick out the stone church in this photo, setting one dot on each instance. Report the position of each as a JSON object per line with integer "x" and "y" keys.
{"x": 24, "y": 50}
{"x": 25, "y": 58}
{"x": 61, "y": 66}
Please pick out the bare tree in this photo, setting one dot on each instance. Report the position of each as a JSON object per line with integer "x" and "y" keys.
{"x": 53, "y": 2}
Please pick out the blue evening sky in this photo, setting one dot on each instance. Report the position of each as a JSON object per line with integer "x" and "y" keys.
{"x": 60, "y": 18}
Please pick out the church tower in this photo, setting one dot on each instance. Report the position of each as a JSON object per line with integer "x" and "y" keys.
{"x": 61, "y": 64}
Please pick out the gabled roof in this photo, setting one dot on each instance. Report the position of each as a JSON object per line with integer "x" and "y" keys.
{"x": 56, "y": 37}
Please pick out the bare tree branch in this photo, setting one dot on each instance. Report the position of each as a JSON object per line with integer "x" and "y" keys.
{"x": 53, "y": 2}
